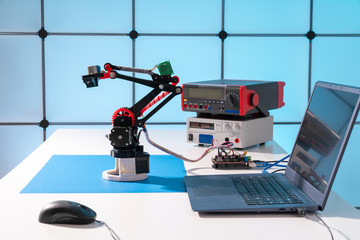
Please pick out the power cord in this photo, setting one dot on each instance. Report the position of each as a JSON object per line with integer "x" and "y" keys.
{"x": 327, "y": 226}
{"x": 303, "y": 213}
{"x": 112, "y": 232}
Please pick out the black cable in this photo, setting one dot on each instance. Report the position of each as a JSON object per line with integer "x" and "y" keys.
{"x": 278, "y": 170}
{"x": 223, "y": 150}
{"x": 276, "y": 161}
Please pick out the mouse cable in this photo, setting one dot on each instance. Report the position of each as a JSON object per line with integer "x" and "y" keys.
{"x": 112, "y": 232}
{"x": 208, "y": 150}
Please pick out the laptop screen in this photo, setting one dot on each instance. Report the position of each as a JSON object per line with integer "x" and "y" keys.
{"x": 322, "y": 135}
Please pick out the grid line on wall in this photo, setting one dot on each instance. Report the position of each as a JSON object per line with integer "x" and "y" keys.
{"x": 184, "y": 34}
{"x": 310, "y": 68}
{"x": 133, "y": 34}
{"x": 19, "y": 33}
{"x": 133, "y": 89}
{"x": 222, "y": 53}
{"x": 43, "y": 80}
{"x": 88, "y": 34}
{"x": 311, "y": 14}
{"x": 43, "y": 85}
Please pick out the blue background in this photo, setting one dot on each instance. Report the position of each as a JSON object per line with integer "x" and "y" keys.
{"x": 266, "y": 41}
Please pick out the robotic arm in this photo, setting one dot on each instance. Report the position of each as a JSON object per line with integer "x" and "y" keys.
{"x": 131, "y": 162}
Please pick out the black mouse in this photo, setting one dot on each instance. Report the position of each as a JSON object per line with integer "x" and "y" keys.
{"x": 66, "y": 212}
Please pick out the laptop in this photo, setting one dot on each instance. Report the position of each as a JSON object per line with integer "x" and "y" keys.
{"x": 311, "y": 170}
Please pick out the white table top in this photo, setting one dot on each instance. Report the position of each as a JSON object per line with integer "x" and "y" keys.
{"x": 155, "y": 215}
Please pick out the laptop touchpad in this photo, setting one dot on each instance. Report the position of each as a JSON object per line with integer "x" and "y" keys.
{"x": 213, "y": 186}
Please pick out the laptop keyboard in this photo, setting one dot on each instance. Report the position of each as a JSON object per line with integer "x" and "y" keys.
{"x": 264, "y": 190}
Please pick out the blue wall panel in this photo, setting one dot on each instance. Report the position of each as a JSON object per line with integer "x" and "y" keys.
{"x": 285, "y": 135}
{"x": 67, "y": 59}
{"x": 337, "y": 16}
{"x": 20, "y": 15}
{"x": 336, "y": 60}
{"x": 20, "y": 68}
{"x": 163, "y": 16}
{"x": 16, "y": 143}
{"x": 261, "y": 16}
{"x": 88, "y": 16}
{"x": 52, "y": 128}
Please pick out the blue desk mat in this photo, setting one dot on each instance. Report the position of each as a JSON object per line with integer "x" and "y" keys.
{"x": 83, "y": 174}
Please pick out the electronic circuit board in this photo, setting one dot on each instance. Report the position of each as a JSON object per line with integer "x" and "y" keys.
{"x": 235, "y": 161}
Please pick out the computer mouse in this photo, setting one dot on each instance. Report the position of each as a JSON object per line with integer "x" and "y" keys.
{"x": 66, "y": 212}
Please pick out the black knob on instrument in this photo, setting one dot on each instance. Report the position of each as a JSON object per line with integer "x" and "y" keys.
{"x": 234, "y": 99}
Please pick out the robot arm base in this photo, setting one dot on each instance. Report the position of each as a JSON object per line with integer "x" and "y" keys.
{"x": 129, "y": 169}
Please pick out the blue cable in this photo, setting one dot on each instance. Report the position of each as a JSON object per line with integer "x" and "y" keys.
{"x": 276, "y": 164}
{"x": 265, "y": 164}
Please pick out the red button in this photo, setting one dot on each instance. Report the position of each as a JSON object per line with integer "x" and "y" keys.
{"x": 236, "y": 140}
{"x": 195, "y": 106}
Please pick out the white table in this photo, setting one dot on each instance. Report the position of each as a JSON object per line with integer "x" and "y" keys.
{"x": 155, "y": 215}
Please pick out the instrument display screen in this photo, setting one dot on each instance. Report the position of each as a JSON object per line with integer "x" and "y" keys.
{"x": 205, "y": 93}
